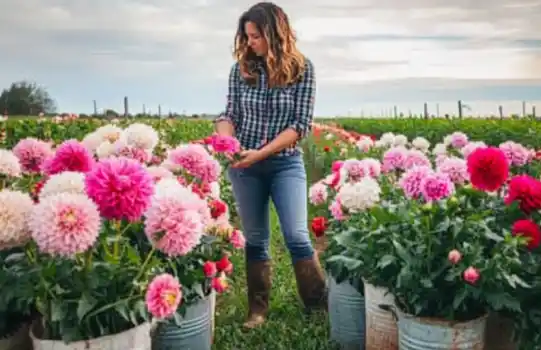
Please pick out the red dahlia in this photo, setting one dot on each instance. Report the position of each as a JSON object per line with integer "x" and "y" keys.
{"x": 530, "y": 230}
{"x": 525, "y": 190}
{"x": 488, "y": 168}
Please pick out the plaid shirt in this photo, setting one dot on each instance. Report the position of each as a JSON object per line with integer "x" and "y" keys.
{"x": 260, "y": 113}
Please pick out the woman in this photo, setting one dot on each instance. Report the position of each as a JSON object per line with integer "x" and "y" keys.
{"x": 269, "y": 109}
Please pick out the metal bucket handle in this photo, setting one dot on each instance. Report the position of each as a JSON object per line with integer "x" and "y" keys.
{"x": 389, "y": 308}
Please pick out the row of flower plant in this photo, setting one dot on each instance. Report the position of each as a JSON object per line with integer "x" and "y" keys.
{"x": 451, "y": 230}
{"x": 118, "y": 229}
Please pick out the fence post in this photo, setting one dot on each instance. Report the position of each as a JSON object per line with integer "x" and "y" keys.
{"x": 460, "y": 109}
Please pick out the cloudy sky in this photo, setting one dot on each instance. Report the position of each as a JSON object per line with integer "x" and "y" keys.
{"x": 369, "y": 54}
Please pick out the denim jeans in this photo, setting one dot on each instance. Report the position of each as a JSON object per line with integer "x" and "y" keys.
{"x": 282, "y": 179}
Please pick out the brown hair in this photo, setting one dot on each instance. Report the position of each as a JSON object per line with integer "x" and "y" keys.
{"x": 284, "y": 62}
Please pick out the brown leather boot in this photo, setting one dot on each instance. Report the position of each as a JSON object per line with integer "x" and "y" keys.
{"x": 258, "y": 278}
{"x": 311, "y": 283}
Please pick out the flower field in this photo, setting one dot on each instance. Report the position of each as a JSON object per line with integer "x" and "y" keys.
{"x": 107, "y": 225}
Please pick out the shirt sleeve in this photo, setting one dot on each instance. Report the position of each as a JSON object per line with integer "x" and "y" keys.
{"x": 304, "y": 101}
{"x": 232, "y": 109}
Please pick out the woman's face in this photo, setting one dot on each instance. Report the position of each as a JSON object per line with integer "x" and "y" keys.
{"x": 256, "y": 41}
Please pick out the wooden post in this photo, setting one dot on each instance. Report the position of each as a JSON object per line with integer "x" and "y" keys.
{"x": 144, "y": 110}
{"x": 160, "y": 111}
{"x": 523, "y": 109}
{"x": 395, "y": 111}
{"x": 460, "y": 110}
{"x": 126, "y": 111}
{"x": 95, "y": 108}
{"x": 426, "y": 110}
{"x": 500, "y": 111}
{"x": 533, "y": 112}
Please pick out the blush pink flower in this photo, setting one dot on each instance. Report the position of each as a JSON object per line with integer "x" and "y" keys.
{"x": 225, "y": 144}
{"x": 411, "y": 180}
{"x": 458, "y": 139}
{"x": 415, "y": 157}
{"x": 337, "y": 165}
{"x": 516, "y": 154}
{"x": 163, "y": 296}
{"x": 219, "y": 284}
{"x": 121, "y": 188}
{"x": 71, "y": 155}
{"x": 456, "y": 168}
{"x": 471, "y": 147}
{"x": 32, "y": 153}
{"x": 237, "y": 239}
{"x": 354, "y": 169}
{"x": 174, "y": 225}
{"x": 159, "y": 172}
{"x": 138, "y": 154}
{"x": 372, "y": 167}
{"x": 454, "y": 256}
{"x": 436, "y": 186}
{"x": 394, "y": 159}
{"x": 471, "y": 275}
{"x": 209, "y": 171}
{"x": 196, "y": 161}
{"x": 336, "y": 210}
{"x": 65, "y": 224}
{"x": 318, "y": 193}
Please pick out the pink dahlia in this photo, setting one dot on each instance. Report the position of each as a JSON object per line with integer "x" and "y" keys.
{"x": 195, "y": 160}
{"x": 121, "y": 188}
{"x": 209, "y": 171}
{"x": 318, "y": 193}
{"x": 32, "y": 153}
{"x": 411, "y": 180}
{"x": 471, "y": 147}
{"x": 436, "y": 186}
{"x": 354, "y": 169}
{"x": 65, "y": 224}
{"x": 159, "y": 172}
{"x": 138, "y": 154}
{"x": 516, "y": 154}
{"x": 372, "y": 167}
{"x": 71, "y": 155}
{"x": 336, "y": 210}
{"x": 237, "y": 239}
{"x": 456, "y": 168}
{"x": 337, "y": 165}
{"x": 458, "y": 139}
{"x": 416, "y": 157}
{"x": 163, "y": 296}
{"x": 225, "y": 144}
{"x": 394, "y": 159}
{"x": 174, "y": 224}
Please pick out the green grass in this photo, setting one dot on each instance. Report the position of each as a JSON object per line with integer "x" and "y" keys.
{"x": 287, "y": 326}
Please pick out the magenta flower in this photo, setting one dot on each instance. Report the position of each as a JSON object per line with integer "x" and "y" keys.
{"x": 410, "y": 181}
{"x": 394, "y": 159}
{"x": 71, "y": 155}
{"x": 456, "y": 168}
{"x": 436, "y": 186}
{"x": 516, "y": 154}
{"x": 65, "y": 224}
{"x": 415, "y": 157}
{"x": 121, "y": 188}
{"x": 225, "y": 144}
{"x": 32, "y": 153}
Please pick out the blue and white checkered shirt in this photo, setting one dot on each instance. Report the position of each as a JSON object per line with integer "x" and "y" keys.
{"x": 260, "y": 113}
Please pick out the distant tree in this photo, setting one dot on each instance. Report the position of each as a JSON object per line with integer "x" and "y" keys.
{"x": 26, "y": 98}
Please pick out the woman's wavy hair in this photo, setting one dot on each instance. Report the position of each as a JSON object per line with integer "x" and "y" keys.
{"x": 284, "y": 62}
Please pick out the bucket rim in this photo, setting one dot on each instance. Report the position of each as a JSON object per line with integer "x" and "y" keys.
{"x": 437, "y": 321}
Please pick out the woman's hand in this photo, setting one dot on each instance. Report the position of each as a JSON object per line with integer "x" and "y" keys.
{"x": 248, "y": 158}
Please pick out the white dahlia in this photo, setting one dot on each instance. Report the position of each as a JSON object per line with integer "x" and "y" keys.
{"x": 141, "y": 136}
{"x": 64, "y": 182}
{"x": 15, "y": 207}
{"x": 9, "y": 164}
{"x": 359, "y": 196}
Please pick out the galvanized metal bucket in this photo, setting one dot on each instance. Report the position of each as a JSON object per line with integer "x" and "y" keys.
{"x": 381, "y": 327}
{"x": 194, "y": 333}
{"x": 417, "y": 333}
{"x": 212, "y": 310}
{"x": 346, "y": 315}
{"x": 499, "y": 333}
{"x": 137, "y": 338}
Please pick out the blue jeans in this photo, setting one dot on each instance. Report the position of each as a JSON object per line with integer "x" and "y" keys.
{"x": 282, "y": 179}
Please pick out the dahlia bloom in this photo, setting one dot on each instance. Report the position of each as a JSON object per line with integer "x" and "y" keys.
{"x": 318, "y": 193}
{"x": 530, "y": 230}
{"x": 121, "y": 188}
{"x": 141, "y": 136}
{"x": 174, "y": 224}
{"x": 65, "y": 224}
{"x": 516, "y": 154}
{"x": 225, "y": 144}
{"x": 488, "y": 168}
{"x": 163, "y": 296}
{"x": 9, "y": 164}
{"x": 421, "y": 144}
{"x": 71, "y": 155}
{"x": 32, "y": 153}
{"x": 64, "y": 182}
{"x": 237, "y": 239}
{"x": 372, "y": 167}
{"x": 456, "y": 140}
{"x": 354, "y": 169}
{"x": 410, "y": 181}
{"x": 436, "y": 186}
{"x": 195, "y": 160}
{"x": 364, "y": 144}
{"x": 400, "y": 141}
{"x": 470, "y": 147}
{"x": 394, "y": 159}
{"x": 159, "y": 172}
{"x": 415, "y": 157}
{"x": 15, "y": 207}
{"x": 456, "y": 168}
{"x": 359, "y": 196}
{"x": 525, "y": 190}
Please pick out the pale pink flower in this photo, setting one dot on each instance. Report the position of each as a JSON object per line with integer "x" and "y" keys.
{"x": 237, "y": 239}
{"x": 318, "y": 193}
{"x": 138, "y": 154}
{"x": 32, "y": 153}
{"x": 65, "y": 224}
{"x": 219, "y": 284}
{"x": 454, "y": 256}
{"x": 516, "y": 154}
{"x": 336, "y": 210}
{"x": 174, "y": 224}
{"x": 372, "y": 167}
{"x": 209, "y": 171}
{"x": 192, "y": 158}
{"x": 458, "y": 139}
{"x": 470, "y": 147}
{"x": 337, "y": 165}
{"x": 163, "y": 296}
{"x": 415, "y": 157}
{"x": 471, "y": 275}
{"x": 394, "y": 159}
{"x": 159, "y": 172}
{"x": 410, "y": 181}
{"x": 456, "y": 168}
{"x": 15, "y": 207}
{"x": 436, "y": 186}
{"x": 121, "y": 188}
{"x": 354, "y": 169}
{"x": 9, "y": 164}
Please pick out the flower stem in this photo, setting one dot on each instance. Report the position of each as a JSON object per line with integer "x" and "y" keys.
{"x": 142, "y": 269}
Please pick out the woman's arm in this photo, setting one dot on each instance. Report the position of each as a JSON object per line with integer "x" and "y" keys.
{"x": 303, "y": 115}
{"x": 227, "y": 122}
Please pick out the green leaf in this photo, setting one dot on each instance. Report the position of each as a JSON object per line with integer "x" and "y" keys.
{"x": 386, "y": 260}
{"x": 86, "y": 303}
{"x": 401, "y": 252}
{"x": 57, "y": 311}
